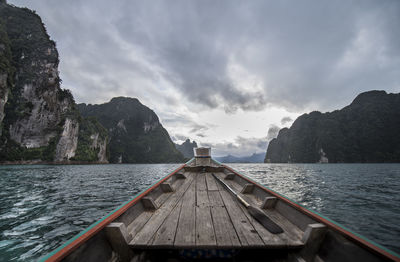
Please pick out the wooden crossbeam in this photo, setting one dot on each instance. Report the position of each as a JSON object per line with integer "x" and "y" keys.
{"x": 149, "y": 203}
{"x": 269, "y": 203}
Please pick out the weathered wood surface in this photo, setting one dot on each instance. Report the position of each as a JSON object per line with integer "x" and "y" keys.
{"x": 225, "y": 233}
{"x": 165, "y": 235}
{"x": 143, "y": 237}
{"x": 292, "y": 234}
{"x": 211, "y": 183}
{"x": 186, "y": 231}
{"x": 202, "y": 213}
{"x": 204, "y": 227}
{"x": 248, "y": 236}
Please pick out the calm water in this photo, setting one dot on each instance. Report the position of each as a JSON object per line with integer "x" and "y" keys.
{"x": 43, "y": 206}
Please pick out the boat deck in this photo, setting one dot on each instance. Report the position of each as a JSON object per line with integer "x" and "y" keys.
{"x": 201, "y": 213}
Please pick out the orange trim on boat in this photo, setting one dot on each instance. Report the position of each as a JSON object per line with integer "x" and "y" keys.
{"x": 343, "y": 231}
{"x": 87, "y": 235}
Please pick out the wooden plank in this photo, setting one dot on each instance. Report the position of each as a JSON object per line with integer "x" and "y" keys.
{"x": 291, "y": 236}
{"x": 248, "y": 236}
{"x": 211, "y": 183}
{"x": 269, "y": 239}
{"x": 163, "y": 197}
{"x": 205, "y": 235}
{"x": 250, "y": 198}
{"x": 293, "y": 233}
{"x": 165, "y": 235}
{"x": 201, "y": 182}
{"x": 143, "y": 237}
{"x": 137, "y": 224}
{"x": 225, "y": 233}
{"x": 202, "y": 199}
{"x": 293, "y": 217}
{"x": 186, "y": 230}
{"x": 215, "y": 199}
{"x": 71, "y": 246}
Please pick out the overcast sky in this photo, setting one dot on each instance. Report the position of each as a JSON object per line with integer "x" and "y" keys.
{"x": 225, "y": 73}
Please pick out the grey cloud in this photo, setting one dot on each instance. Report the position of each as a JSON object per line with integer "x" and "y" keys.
{"x": 198, "y": 128}
{"x": 286, "y": 120}
{"x": 241, "y": 147}
{"x": 187, "y": 123}
{"x": 273, "y": 132}
{"x": 296, "y": 55}
{"x": 178, "y": 137}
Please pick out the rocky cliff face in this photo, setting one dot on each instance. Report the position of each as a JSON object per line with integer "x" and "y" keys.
{"x": 68, "y": 142}
{"x": 136, "y": 135}
{"x": 40, "y": 121}
{"x": 6, "y": 70}
{"x": 365, "y": 131}
{"x": 3, "y": 97}
{"x": 186, "y": 148}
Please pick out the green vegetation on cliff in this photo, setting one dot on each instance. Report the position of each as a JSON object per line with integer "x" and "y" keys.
{"x": 6, "y": 66}
{"x": 7, "y": 70}
{"x": 136, "y": 135}
{"x": 37, "y": 112}
{"x": 91, "y": 134}
{"x": 366, "y": 131}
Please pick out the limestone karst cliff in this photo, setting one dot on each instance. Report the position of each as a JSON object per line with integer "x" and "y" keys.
{"x": 136, "y": 134}
{"x": 38, "y": 119}
{"x": 6, "y": 70}
{"x": 365, "y": 131}
{"x": 186, "y": 148}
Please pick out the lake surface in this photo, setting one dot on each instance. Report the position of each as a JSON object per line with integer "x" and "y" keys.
{"x": 43, "y": 206}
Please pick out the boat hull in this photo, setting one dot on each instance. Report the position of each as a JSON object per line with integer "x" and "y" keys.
{"x": 189, "y": 212}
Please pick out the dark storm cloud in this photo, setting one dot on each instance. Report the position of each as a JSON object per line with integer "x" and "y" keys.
{"x": 286, "y": 120}
{"x": 228, "y": 54}
{"x": 273, "y": 132}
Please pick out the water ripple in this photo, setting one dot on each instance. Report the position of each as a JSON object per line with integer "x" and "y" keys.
{"x": 43, "y": 206}
{"x": 363, "y": 197}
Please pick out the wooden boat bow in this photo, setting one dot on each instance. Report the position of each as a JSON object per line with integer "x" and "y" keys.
{"x": 189, "y": 212}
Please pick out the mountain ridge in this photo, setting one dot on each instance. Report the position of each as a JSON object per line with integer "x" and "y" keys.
{"x": 254, "y": 158}
{"x": 186, "y": 148}
{"x": 366, "y": 131}
{"x": 136, "y": 134}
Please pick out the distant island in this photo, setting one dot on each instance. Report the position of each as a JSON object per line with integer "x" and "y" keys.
{"x": 254, "y": 158}
{"x": 366, "y": 131}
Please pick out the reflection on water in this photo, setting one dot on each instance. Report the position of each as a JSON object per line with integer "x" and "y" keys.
{"x": 43, "y": 206}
